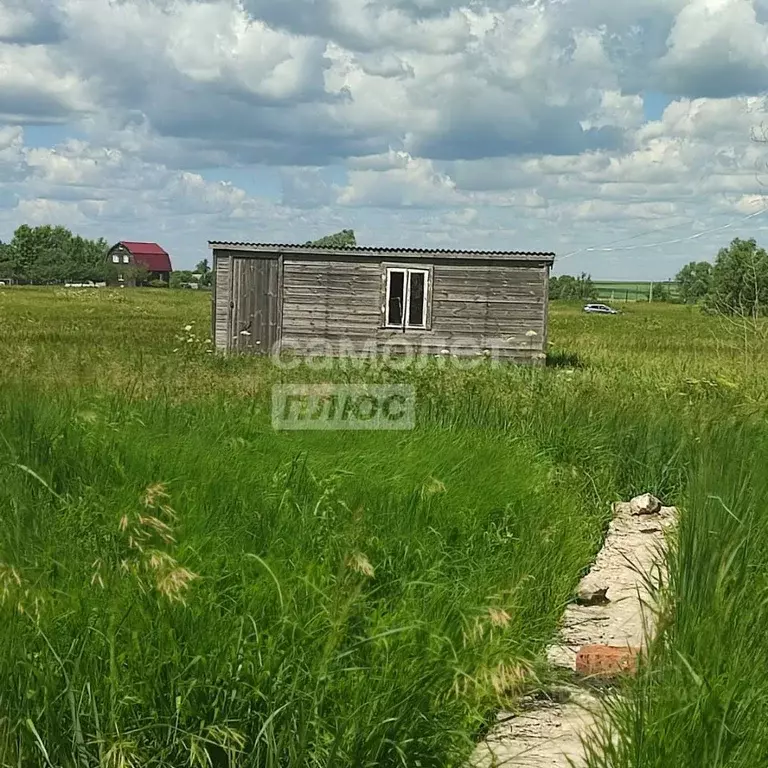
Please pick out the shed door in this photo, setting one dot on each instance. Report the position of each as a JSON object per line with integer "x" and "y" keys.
{"x": 255, "y": 304}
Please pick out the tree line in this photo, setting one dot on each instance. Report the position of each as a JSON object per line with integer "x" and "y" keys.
{"x": 572, "y": 288}
{"x": 48, "y": 254}
{"x": 736, "y": 284}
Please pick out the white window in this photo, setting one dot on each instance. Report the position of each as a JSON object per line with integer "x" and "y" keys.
{"x": 406, "y": 301}
{"x": 116, "y": 258}
{"x": 126, "y": 258}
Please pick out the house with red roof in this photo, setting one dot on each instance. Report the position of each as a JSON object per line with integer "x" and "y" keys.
{"x": 127, "y": 258}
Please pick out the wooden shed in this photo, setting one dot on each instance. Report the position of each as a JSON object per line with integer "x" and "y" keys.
{"x": 362, "y": 301}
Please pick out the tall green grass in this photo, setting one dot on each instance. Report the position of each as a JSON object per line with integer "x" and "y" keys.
{"x": 289, "y": 602}
{"x": 702, "y": 698}
{"x": 181, "y": 585}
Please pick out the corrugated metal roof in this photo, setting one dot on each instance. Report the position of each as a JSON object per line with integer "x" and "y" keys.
{"x": 377, "y": 250}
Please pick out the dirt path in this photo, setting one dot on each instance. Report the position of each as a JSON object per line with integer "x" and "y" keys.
{"x": 611, "y": 620}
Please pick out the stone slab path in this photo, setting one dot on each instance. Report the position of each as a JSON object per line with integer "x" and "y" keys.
{"x": 544, "y": 733}
{"x": 613, "y": 608}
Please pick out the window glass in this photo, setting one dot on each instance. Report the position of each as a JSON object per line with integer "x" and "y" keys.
{"x": 416, "y": 298}
{"x": 396, "y": 299}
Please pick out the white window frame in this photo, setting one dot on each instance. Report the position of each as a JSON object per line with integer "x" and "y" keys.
{"x": 115, "y": 258}
{"x": 407, "y": 272}
{"x": 126, "y": 258}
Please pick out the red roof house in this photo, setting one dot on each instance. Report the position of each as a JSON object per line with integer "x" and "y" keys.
{"x": 127, "y": 254}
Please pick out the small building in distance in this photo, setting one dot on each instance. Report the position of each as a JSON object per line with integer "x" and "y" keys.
{"x": 124, "y": 257}
{"x": 360, "y": 300}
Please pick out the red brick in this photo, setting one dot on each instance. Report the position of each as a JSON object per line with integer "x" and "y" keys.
{"x": 605, "y": 661}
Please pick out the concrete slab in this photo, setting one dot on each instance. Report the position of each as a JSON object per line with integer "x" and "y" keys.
{"x": 615, "y": 609}
{"x": 545, "y": 734}
{"x": 628, "y": 564}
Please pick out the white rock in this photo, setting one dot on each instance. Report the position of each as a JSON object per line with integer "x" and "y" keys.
{"x": 647, "y": 504}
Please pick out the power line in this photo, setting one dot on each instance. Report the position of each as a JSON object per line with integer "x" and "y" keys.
{"x": 684, "y": 239}
{"x": 608, "y": 249}
{"x": 628, "y": 237}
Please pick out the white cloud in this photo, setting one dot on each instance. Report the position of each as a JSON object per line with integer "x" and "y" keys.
{"x": 39, "y": 211}
{"x": 111, "y": 193}
{"x": 407, "y": 182}
{"x": 749, "y": 204}
{"x": 461, "y": 217}
{"x": 717, "y": 48}
{"x": 509, "y": 123}
{"x": 35, "y": 88}
{"x": 616, "y": 109}
{"x": 15, "y": 22}
{"x": 11, "y": 151}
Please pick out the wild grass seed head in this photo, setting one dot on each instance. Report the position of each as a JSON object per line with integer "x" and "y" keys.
{"x": 499, "y": 617}
{"x": 153, "y": 493}
{"x": 359, "y": 563}
{"x": 174, "y": 583}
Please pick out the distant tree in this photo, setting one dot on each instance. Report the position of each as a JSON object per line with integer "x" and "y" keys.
{"x": 136, "y": 273}
{"x": 740, "y": 280}
{"x": 7, "y": 261}
{"x": 572, "y": 288}
{"x": 179, "y": 277}
{"x": 49, "y": 254}
{"x": 204, "y": 271}
{"x": 111, "y": 273}
{"x": 694, "y": 281}
{"x": 660, "y": 292}
{"x": 87, "y": 258}
{"x": 343, "y": 239}
{"x": 26, "y": 249}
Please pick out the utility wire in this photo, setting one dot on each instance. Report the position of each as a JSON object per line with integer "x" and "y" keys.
{"x": 608, "y": 249}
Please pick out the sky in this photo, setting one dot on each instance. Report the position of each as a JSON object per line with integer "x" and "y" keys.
{"x": 625, "y": 135}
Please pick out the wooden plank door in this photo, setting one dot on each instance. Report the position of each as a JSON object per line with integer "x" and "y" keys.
{"x": 256, "y": 301}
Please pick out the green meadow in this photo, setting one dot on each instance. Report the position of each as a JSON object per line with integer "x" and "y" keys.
{"x": 619, "y": 290}
{"x": 181, "y": 585}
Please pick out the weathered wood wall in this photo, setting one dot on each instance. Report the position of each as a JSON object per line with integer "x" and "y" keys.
{"x": 222, "y": 289}
{"x": 496, "y": 306}
{"x": 317, "y": 305}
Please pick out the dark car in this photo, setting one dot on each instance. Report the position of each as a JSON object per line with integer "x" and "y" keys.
{"x": 600, "y": 309}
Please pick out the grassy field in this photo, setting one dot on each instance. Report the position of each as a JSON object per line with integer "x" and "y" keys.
{"x": 608, "y": 290}
{"x": 181, "y": 585}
